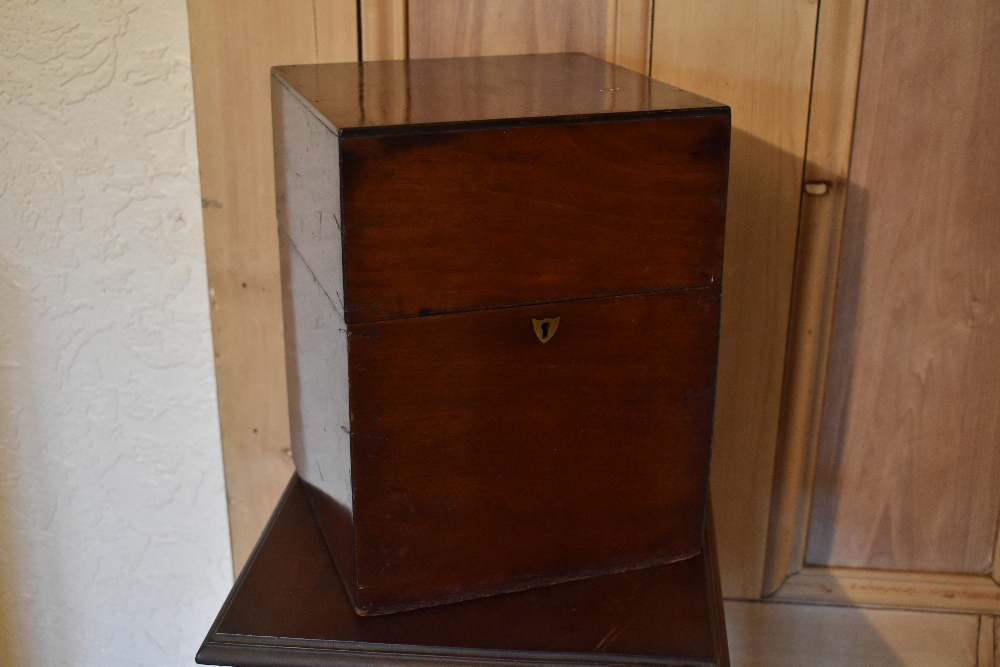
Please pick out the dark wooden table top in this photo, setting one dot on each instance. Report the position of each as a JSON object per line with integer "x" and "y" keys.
{"x": 289, "y": 608}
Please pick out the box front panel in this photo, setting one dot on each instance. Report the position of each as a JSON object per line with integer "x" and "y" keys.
{"x": 466, "y": 220}
{"x": 486, "y": 459}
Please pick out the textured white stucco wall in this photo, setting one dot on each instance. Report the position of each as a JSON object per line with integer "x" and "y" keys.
{"x": 114, "y": 545}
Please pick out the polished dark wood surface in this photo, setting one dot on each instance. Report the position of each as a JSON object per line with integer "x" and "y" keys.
{"x": 484, "y": 460}
{"x": 423, "y": 239}
{"x": 289, "y": 608}
{"x": 467, "y": 220}
{"x": 418, "y": 95}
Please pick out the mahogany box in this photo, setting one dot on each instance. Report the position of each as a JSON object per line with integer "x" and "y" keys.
{"x": 501, "y": 285}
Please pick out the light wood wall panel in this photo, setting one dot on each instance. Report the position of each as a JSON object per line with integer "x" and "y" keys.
{"x": 987, "y": 641}
{"x": 908, "y": 473}
{"x": 931, "y": 591}
{"x": 383, "y": 29}
{"x": 233, "y": 46}
{"x": 756, "y": 57}
{"x": 444, "y": 28}
{"x": 764, "y": 634}
{"x": 611, "y": 29}
{"x": 839, "y": 36}
{"x": 630, "y": 30}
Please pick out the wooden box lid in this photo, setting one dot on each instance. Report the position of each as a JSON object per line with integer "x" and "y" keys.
{"x": 374, "y": 98}
{"x": 463, "y": 184}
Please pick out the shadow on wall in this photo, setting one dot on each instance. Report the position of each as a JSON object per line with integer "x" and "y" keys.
{"x": 843, "y": 348}
{"x": 760, "y": 633}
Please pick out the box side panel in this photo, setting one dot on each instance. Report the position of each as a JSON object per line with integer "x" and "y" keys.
{"x": 476, "y": 219}
{"x": 307, "y": 176}
{"x": 488, "y": 460}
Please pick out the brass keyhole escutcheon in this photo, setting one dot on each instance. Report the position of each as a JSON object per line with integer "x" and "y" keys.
{"x": 545, "y": 329}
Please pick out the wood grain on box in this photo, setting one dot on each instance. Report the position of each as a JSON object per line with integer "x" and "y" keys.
{"x": 422, "y": 238}
{"x": 485, "y": 461}
{"x": 484, "y": 218}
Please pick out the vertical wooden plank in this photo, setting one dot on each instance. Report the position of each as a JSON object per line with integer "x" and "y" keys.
{"x": 757, "y": 57}
{"x": 987, "y": 642}
{"x": 233, "y": 46}
{"x": 383, "y": 29}
{"x": 996, "y": 641}
{"x": 611, "y": 29}
{"x": 633, "y": 30}
{"x": 995, "y": 570}
{"x": 336, "y": 31}
{"x": 789, "y": 635}
{"x": 839, "y": 33}
{"x": 445, "y": 28}
{"x": 611, "y": 9}
{"x": 908, "y": 471}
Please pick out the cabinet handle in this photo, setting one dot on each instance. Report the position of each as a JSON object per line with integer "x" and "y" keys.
{"x": 816, "y": 188}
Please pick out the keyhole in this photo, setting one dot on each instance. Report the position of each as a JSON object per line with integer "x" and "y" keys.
{"x": 545, "y": 329}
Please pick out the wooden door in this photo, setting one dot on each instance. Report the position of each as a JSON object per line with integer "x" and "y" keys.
{"x": 901, "y": 468}
{"x": 887, "y": 479}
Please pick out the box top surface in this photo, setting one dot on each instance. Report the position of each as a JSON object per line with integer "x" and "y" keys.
{"x": 414, "y": 95}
